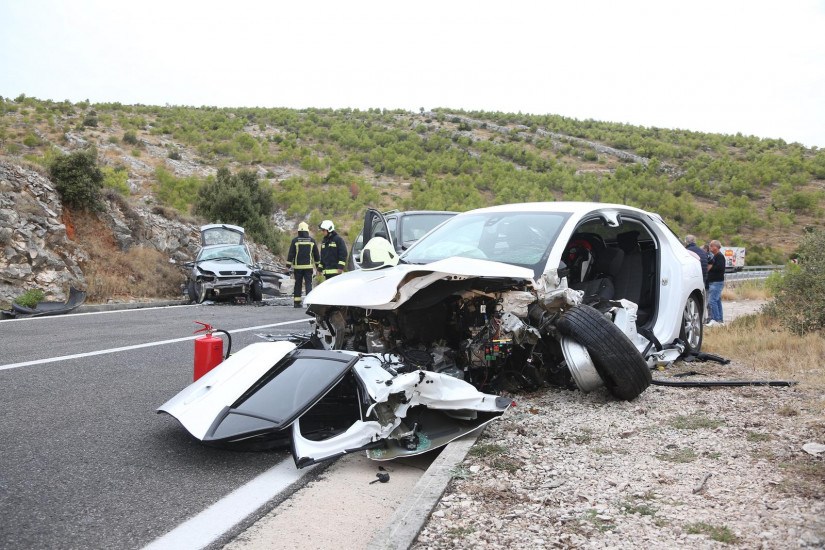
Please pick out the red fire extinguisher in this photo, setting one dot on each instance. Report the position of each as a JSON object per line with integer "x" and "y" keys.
{"x": 209, "y": 350}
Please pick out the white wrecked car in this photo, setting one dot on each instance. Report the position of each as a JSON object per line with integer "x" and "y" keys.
{"x": 517, "y": 296}
{"x": 504, "y": 298}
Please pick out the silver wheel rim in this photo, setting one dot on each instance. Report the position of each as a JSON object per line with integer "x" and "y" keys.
{"x": 693, "y": 323}
{"x": 200, "y": 291}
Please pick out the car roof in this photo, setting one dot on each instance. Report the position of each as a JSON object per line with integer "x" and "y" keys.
{"x": 572, "y": 207}
{"x": 413, "y": 212}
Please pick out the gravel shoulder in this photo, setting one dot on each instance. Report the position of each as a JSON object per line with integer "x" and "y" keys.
{"x": 677, "y": 467}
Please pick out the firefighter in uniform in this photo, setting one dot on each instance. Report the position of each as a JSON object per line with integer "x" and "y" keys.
{"x": 303, "y": 256}
{"x": 333, "y": 251}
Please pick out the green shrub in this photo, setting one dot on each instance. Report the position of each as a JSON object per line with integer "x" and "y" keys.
{"x": 117, "y": 179}
{"x": 31, "y": 140}
{"x": 90, "y": 120}
{"x": 130, "y": 137}
{"x": 30, "y": 298}
{"x": 78, "y": 179}
{"x": 799, "y": 295}
{"x": 179, "y": 193}
{"x": 239, "y": 199}
{"x": 174, "y": 154}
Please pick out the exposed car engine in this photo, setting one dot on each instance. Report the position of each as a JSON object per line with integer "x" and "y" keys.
{"x": 497, "y": 337}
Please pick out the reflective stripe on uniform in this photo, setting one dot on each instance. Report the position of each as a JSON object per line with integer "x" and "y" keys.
{"x": 298, "y": 254}
{"x": 329, "y": 271}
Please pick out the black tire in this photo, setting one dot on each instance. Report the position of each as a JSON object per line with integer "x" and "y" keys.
{"x": 256, "y": 291}
{"x": 618, "y": 362}
{"x": 692, "y": 326}
{"x": 190, "y": 290}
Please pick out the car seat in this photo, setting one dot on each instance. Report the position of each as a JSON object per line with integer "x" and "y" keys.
{"x": 593, "y": 267}
{"x": 630, "y": 277}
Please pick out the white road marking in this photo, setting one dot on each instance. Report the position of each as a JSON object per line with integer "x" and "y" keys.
{"x": 136, "y": 346}
{"x": 209, "y": 525}
{"x": 70, "y": 315}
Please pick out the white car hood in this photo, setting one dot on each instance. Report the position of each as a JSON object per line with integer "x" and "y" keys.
{"x": 389, "y": 288}
{"x": 238, "y": 269}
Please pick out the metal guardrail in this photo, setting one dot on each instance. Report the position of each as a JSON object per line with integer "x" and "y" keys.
{"x": 752, "y": 273}
{"x": 763, "y": 268}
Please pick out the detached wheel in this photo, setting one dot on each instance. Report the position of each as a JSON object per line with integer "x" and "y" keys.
{"x": 618, "y": 362}
{"x": 692, "y": 327}
{"x": 256, "y": 291}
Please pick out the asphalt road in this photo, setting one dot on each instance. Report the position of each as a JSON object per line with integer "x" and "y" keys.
{"x": 85, "y": 461}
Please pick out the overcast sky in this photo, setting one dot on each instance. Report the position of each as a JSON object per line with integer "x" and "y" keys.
{"x": 750, "y": 66}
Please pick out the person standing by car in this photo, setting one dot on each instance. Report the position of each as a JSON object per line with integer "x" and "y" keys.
{"x": 709, "y": 258}
{"x": 701, "y": 255}
{"x": 302, "y": 257}
{"x": 333, "y": 251}
{"x": 716, "y": 282}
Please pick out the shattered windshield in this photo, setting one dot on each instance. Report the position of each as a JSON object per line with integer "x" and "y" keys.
{"x": 230, "y": 252}
{"x": 518, "y": 238}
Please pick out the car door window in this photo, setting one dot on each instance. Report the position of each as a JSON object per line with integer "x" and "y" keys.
{"x": 392, "y": 226}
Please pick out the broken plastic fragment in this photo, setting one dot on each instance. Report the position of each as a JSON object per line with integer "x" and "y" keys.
{"x": 814, "y": 449}
{"x": 382, "y": 477}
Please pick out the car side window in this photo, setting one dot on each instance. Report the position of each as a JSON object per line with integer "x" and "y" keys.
{"x": 358, "y": 244}
{"x": 392, "y": 225}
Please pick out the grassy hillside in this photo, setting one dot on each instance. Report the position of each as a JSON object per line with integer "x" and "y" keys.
{"x": 322, "y": 163}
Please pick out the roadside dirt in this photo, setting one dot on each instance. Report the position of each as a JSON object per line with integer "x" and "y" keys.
{"x": 342, "y": 509}
{"x": 677, "y": 467}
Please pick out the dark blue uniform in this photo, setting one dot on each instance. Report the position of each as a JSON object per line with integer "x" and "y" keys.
{"x": 302, "y": 257}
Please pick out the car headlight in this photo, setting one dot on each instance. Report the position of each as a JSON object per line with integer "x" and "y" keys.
{"x": 205, "y": 274}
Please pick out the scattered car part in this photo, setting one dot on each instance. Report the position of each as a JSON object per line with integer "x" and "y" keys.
{"x": 382, "y": 477}
{"x": 617, "y": 361}
{"x": 323, "y": 404}
{"x": 42, "y": 309}
{"x": 723, "y": 383}
{"x": 702, "y": 356}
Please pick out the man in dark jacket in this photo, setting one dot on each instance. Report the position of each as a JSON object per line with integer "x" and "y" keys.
{"x": 333, "y": 251}
{"x": 690, "y": 244}
{"x": 716, "y": 282}
{"x": 302, "y": 257}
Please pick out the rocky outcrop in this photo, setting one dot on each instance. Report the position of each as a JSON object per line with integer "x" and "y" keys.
{"x": 35, "y": 251}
